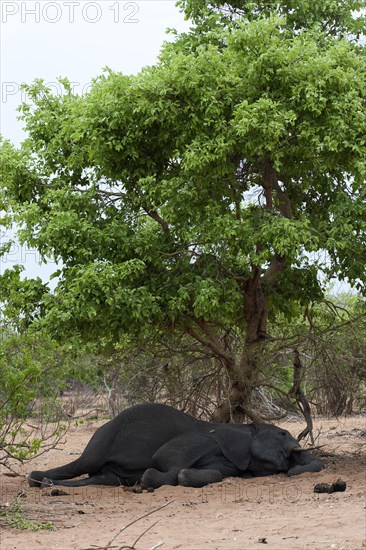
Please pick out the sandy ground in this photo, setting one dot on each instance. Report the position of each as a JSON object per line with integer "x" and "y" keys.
{"x": 274, "y": 512}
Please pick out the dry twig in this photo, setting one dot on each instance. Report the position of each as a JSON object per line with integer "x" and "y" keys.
{"x": 108, "y": 546}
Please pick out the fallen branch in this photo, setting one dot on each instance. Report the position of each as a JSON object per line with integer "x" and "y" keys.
{"x": 11, "y": 473}
{"x": 140, "y": 536}
{"x": 108, "y": 546}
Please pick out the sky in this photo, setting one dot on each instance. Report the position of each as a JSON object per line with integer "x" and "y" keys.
{"x": 74, "y": 39}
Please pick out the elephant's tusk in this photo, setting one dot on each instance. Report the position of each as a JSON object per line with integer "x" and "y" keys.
{"x": 302, "y": 449}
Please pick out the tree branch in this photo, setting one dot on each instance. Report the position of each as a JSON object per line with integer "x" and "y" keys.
{"x": 298, "y": 394}
{"x": 269, "y": 175}
{"x": 210, "y": 342}
{"x": 277, "y": 264}
{"x": 285, "y": 205}
{"x": 155, "y": 216}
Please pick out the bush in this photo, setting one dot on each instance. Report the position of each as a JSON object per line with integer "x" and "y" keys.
{"x": 30, "y": 374}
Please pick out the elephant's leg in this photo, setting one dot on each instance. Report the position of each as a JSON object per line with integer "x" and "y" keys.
{"x": 154, "y": 478}
{"x": 73, "y": 469}
{"x": 193, "y": 477}
{"x": 107, "y": 478}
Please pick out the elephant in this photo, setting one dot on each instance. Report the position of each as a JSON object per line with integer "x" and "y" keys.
{"x": 155, "y": 444}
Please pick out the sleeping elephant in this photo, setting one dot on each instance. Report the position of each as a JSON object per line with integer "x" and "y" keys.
{"x": 157, "y": 445}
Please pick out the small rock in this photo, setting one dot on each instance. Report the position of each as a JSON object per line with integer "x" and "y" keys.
{"x": 323, "y": 488}
{"x": 339, "y": 485}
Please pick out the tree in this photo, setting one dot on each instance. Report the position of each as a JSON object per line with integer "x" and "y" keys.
{"x": 334, "y": 17}
{"x": 204, "y": 195}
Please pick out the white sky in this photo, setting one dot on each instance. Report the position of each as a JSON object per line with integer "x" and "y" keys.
{"x": 74, "y": 39}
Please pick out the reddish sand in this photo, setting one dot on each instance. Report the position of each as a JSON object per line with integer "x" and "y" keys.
{"x": 274, "y": 512}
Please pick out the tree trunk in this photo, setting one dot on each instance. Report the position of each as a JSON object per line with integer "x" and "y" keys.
{"x": 244, "y": 376}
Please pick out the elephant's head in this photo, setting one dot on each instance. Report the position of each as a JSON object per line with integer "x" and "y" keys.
{"x": 273, "y": 450}
{"x": 264, "y": 449}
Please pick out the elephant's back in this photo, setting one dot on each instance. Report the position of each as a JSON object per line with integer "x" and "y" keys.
{"x": 154, "y": 414}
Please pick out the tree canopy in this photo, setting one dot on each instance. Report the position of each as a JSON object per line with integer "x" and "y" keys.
{"x": 206, "y": 194}
{"x": 334, "y": 17}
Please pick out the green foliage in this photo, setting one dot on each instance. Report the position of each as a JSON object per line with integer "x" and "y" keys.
{"x": 23, "y": 298}
{"x": 204, "y": 194}
{"x": 15, "y": 518}
{"x": 142, "y": 183}
{"x": 32, "y": 373}
{"x": 334, "y": 17}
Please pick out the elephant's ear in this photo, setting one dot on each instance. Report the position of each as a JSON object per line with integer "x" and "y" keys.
{"x": 235, "y": 442}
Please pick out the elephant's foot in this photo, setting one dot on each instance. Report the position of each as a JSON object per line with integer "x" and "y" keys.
{"x": 46, "y": 482}
{"x": 138, "y": 489}
{"x": 152, "y": 478}
{"x": 35, "y": 479}
{"x": 192, "y": 477}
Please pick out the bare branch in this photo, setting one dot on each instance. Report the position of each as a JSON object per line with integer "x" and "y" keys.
{"x": 211, "y": 343}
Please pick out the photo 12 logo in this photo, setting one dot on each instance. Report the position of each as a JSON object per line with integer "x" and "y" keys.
{"x": 71, "y": 12}
{"x": 243, "y": 493}
{"x": 12, "y": 252}
{"x": 14, "y": 90}
{"x": 19, "y": 254}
